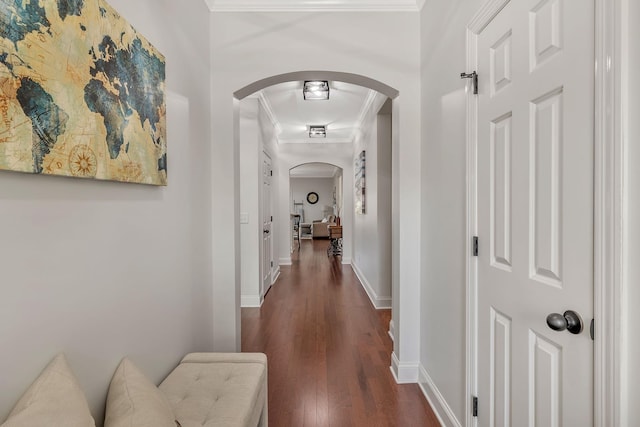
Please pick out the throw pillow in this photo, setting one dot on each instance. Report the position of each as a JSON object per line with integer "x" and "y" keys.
{"x": 133, "y": 400}
{"x": 55, "y": 399}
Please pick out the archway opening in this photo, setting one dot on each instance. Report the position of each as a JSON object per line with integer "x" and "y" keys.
{"x": 316, "y": 200}
{"x": 355, "y": 79}
{"x": 283, "y": 191}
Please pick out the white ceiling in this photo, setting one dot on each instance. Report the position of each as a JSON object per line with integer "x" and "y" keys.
{"x": 314, "y": 170}
{"x": 342, "y": 113}
{"x": 313, "y": 5}
{"x": 291, "y": 115}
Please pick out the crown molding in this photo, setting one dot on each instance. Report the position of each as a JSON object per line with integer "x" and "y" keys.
{"x": 270, "y": 114}
{"x": 316, "y": 141}
{"x": 312, "y": 176}
{"x": 366, "y": 106}
{"x": 315, "y": 5}
{"x": 374, "y": 101}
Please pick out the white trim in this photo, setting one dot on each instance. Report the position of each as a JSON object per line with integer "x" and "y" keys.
{"x": 284, "y": 261}
{"x": 275, "y": 274}
{"x": 315, "y": 176}
{"x": 608, "y": 210}
{"x": 316, "y": 141}
{"x": 367, "y": 105}
{"x": 250, "y": 301}
{"x": 481, "y": 19}
{"x": 403, "y": 372}
{"x": 609, "y": 220}
{"x": 437, "y": 401}
{"x": 392, "y": 330}
{"x": 268, "y": 109}
{"x": 485, "y": 15}
{"x": 346, "y": 261}
{"x": 314, "y": 6}
{"x": 377, "y": 301}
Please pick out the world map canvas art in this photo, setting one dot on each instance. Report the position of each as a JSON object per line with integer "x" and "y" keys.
{"x": 81, "y": 93}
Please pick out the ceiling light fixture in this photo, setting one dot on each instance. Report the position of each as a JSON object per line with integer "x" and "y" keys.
{"x": 317, "y": 131}
{"x": 315, "y": 90}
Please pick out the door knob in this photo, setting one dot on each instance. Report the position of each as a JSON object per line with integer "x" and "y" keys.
{"x": 570, "y": 320}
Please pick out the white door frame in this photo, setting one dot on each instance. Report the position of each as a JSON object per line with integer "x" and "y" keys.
{"x": 262, "y": 214}
{"x": 608, "y": 211}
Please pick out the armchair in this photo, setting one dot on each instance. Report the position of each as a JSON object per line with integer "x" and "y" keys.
{"x": 320, "y": 229}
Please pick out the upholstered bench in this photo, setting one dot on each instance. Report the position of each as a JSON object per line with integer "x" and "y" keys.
{"x": 219, "y": 389}
{"x": 204, "y": 390}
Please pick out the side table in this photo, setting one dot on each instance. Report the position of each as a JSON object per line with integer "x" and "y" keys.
{"x": 335, "y": 240}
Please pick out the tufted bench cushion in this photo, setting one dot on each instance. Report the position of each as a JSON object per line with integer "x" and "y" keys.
{"x": 219, "y": 389}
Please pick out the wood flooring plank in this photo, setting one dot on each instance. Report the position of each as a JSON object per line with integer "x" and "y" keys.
{"x": 328, "y": 350}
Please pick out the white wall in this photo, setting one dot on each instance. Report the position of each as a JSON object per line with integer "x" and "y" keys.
{"x": 248, "y": 47}
{"x": 630, "y": 370}
{"x": 339, "y": 188}
{"x": 444, "y": 198}
{"x": 372, "y": 230}
{"x": 300, "y": 187}
{"x": 269, "y": 145}
{"x": 385, "y": 198}
{"x": 257, "y": 137}
{"x": 101, "y": 270}
{"x": 250, "y": 183}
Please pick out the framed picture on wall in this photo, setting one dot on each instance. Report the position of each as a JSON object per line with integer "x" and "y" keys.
{"x": 82, "y": 93}
{"x": 360, "y": 187}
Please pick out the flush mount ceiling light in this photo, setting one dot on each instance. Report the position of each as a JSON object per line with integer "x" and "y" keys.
{"x": 315, "y": 90}
{"x": 317, "y": 131}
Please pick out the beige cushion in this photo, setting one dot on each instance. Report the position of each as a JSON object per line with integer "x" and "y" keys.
{"x": 134, "y": 401}
{"x": 218, "y": 389}
{"x": 55, "y": 399}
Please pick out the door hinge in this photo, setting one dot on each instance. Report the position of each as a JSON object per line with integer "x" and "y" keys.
{"x": 271, "y": 263}
{"x": 475, "y": 246}
{"x": 272, "y": 219}
{"x": 474, "y": 80}
{"x": 475, "y": 406}
{"x": 270, "y": 173}
{"x": 592, "y": 329}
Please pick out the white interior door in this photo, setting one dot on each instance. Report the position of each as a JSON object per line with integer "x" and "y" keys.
{"x": 267, "y": 220}
{"x": 535, "y": 213}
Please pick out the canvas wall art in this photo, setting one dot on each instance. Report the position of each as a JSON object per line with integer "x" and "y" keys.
{"x": 82, "y": 93}
{"x": 360, "y": 193}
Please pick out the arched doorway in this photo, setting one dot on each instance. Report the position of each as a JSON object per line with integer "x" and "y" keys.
{"x": 405, "y": 220}
{"x": 316, "y": 199}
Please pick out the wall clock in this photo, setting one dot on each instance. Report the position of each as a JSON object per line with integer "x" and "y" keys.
{"x": 312, "y": 197}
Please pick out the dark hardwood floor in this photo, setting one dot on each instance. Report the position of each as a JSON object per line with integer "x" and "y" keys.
{"x": 329, "y": 351}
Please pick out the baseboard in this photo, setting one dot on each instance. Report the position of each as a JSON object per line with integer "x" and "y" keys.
{"x": 378, "y": 302}
{"x": 284, "y": 261}
{"x": 392, "y": 330}
{"x": 439, "y": 405}
{"x": 346, "y": 261}
{"x": 250, "y": 301}
{"x": 404, "y": 373}
{"x": 275, "y": 274}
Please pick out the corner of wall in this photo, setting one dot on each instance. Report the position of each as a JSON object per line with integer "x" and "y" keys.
{"x": 379, "y": 302}
{"x": 250, "y": 301}
{"x": 275, "y": 274}
{"x": 437, "y": 401}
{"x": 403, "y": 372}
